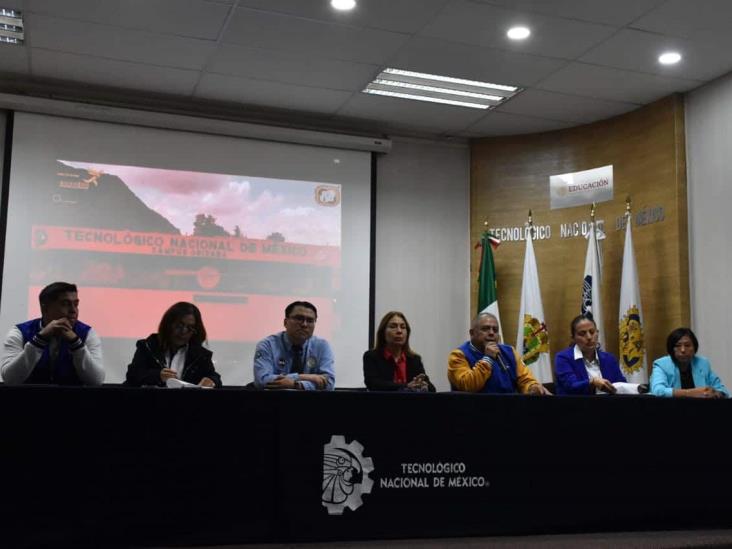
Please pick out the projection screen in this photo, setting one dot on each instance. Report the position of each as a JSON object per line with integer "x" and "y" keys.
{"x": 141, "y": 218}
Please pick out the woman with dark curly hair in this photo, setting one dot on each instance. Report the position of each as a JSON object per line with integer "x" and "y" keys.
{"x": 684, "y": 373}
{"x": 175, "y": 351}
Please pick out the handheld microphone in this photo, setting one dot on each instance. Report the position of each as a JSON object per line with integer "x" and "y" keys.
{"x": 499, "y": 358}
{"x": 500, "y": 361}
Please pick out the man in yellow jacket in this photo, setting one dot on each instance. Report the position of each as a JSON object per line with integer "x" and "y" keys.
{"x": 482, "y": 365}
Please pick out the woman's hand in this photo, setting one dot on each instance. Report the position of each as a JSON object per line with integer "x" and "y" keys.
{"x": 699, "y": 392}
{"x": 167, "y": 373}
{"x": 603, "y": 385}
{"x": 419, "y": 383}
{"x": 207, "y": 382}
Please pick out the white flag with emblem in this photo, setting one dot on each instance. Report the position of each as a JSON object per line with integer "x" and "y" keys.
{"x": 591, "y": 282}
{"x": 632, "y": 356}
{"x": 532, "y": 340}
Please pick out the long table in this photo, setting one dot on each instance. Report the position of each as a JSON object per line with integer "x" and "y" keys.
{"x": 90, "y": 466}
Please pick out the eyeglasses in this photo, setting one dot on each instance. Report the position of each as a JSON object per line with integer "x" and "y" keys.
{"x": 302, "y": 319}
{"x": 184, "y": 328}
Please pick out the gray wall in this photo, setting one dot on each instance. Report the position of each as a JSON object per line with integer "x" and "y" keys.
{"x": 422, "y": 246}
{"x": 709, "y": 174}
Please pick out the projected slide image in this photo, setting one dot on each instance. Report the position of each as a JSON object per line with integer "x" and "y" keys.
{"x": 138, "y": 239}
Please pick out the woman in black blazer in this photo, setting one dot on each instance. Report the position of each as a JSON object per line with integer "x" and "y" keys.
{"x": 392, "y": 365}
{"x": 176, "y": 350}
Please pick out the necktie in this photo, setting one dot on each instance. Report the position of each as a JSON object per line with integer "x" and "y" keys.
{"x": 296, "y": 359}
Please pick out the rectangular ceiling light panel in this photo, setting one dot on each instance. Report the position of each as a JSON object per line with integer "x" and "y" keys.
{"x": 440, "y": 89}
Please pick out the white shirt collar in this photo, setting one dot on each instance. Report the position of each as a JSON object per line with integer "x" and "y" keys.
{"x": 578, "y": 353}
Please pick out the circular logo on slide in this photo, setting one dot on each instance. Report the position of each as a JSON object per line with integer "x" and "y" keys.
{"x": 328, "y": 195}
{"x": 345, "y": 475}
{"x": 208, "y": 277}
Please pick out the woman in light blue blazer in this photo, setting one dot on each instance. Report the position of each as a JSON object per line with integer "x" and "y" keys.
{"x": 684, "y": 373}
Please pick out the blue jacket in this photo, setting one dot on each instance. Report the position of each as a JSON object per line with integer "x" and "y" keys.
{"x": 572, "y": 378}
{"x": 62, "y": 372}
{"x": 666, "y": 377}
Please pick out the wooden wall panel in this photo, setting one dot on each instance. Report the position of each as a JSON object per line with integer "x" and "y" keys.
{"x": 510, "y": 175}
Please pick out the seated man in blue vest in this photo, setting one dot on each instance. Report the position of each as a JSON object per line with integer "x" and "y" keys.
{"x": 56, "y": 348}
{"x": 295, "y": 358}
{"x": 482, "y": 365}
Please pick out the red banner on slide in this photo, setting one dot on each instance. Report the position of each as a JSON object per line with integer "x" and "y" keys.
{"x": 172, "y": 245}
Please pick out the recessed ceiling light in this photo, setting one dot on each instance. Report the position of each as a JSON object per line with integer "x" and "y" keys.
{"x": 343, "y": 5}
{"x": 439, "y": 89}
{"x": 518, "y": 33}
{"x": 669, "y": 58}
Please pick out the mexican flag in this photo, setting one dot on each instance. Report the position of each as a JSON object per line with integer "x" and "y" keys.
{"x": 487, "y": 294}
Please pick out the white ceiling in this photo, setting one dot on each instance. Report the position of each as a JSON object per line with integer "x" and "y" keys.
{"x": 586, "y": 60}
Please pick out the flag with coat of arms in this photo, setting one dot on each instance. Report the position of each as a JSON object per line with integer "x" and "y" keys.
{"x": 591, "y": 283}
{"x": 632, "y": 356}
{"x": 532, "y": 339}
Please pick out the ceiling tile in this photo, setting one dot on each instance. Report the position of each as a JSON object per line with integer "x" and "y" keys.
{"x": 271, "y": 94}
{"x": 286, "y": 33}
{"x": 291, "y": 68}
{"x": 195, "y": 18}
{"x": 484, "y": 25}
{"x": 613, "y": 84}
{"x": 432, "y": 55}
{"x": 559, "y": 106}
{"x": 685, "y": 18}
{"x": 413, "y": 114}
{"x": 108, "y": 72}
{"x": 73, "y": 36}
{"x": 394, "y": 15}
{"x": 501, "y": 123}
{"x": 617, "y": 13}
{"x": 15, "y": 4}
{"x": 639, "y": 50}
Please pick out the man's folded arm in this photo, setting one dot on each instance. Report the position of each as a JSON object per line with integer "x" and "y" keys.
{"x": 88, "y": 360}
{"x": 463, "y": 377}
{"x": 18, "y": 360}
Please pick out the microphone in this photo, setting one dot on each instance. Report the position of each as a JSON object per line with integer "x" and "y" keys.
{"x": 499, "y": 358}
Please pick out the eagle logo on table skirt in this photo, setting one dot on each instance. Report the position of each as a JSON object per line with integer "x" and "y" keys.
{"x": 632, "y": 347}
{"x": 345, "y": 475}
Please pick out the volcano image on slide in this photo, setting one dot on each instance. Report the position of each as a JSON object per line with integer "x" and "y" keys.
{"x": 90, "y": 198}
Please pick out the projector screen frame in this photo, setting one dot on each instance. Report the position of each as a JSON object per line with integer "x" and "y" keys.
{"x": 6, "y": 183}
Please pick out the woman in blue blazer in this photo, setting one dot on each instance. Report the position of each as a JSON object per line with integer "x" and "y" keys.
{"x": 684, "y": 373}
{"x": 574, "y": 364}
